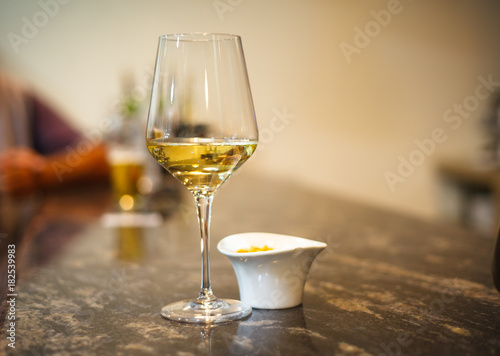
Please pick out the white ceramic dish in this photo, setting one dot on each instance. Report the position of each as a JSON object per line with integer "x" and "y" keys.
{"x": 271, "y": 279}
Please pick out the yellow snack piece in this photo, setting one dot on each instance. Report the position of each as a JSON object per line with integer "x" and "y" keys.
{"x": 255, "y": 249}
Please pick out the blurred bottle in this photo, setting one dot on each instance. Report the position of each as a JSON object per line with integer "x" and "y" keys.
{"x": 491, "y": 125}
{"x": 496, "y": 263}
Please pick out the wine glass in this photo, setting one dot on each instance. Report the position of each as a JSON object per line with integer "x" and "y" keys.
{"x": 202, "y": 128}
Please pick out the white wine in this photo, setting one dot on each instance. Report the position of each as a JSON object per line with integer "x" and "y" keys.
{"x": 202, "y": 165}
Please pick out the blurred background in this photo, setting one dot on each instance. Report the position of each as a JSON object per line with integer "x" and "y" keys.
{"x": 390, "y": 103}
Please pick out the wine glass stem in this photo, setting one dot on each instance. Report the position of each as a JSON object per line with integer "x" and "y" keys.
{"x": 204, "y": 208}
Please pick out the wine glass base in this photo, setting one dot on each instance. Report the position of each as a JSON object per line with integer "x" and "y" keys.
{"x": 188, "y": 311}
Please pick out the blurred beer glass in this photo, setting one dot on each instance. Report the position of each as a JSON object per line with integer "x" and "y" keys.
{"x": 126, "y": 173}
{"x": 127, "y": 159}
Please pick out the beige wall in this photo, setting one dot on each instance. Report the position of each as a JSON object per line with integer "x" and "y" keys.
{"x": 349, "y": 118}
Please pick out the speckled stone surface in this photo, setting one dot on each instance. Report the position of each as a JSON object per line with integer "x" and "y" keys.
{"x": 385, "y": 285}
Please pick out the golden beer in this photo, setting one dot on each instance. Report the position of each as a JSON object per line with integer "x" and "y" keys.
{"x": 126, "y": 171}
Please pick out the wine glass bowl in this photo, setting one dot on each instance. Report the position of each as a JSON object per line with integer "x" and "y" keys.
{"x": 202, "y": 128}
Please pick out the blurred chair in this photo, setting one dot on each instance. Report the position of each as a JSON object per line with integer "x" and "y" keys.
{"x": 35, "y": 144}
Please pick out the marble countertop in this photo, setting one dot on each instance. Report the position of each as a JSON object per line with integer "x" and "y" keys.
{"x": 387, "y": 284}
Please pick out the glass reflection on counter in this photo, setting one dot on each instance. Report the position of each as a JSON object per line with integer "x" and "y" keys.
{"x": 130, "y": 243}
{"x": 267, "y": 327}
{"x": 213, "y": 339}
